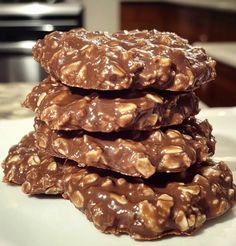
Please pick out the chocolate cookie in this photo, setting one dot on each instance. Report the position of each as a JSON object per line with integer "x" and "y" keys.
{"x": 166, "y": 204}
{"x": 37, "y": 172}
{"x": 64, "y": 108}
{"x": 132, "y": 153}
{"x": 134, "y": 59}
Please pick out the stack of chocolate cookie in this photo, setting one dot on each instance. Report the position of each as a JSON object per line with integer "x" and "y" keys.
{"x": 115, "y": 133}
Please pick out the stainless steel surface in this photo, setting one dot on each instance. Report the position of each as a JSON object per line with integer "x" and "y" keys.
{"x": 40, "y": 10}
{"x": 40, "y": 24}
{"x": 21, "y": 24}
{"x": 23, "y": 47}
{"x": 20, "y": 68}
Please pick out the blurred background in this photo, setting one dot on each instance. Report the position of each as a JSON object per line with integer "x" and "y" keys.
{"x": 207, "y": 23}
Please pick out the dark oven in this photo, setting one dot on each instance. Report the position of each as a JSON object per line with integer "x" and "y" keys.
{"x": 21, "y": 24}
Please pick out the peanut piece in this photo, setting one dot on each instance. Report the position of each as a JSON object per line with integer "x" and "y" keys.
{"x": 126, "y": 108}
{"x": 93, "y": 155}
{"x": 52, "y": 166}
{"x": 90, "y": 178}
{"x": 40, "y": 98}
{"x": 148, "y": 214}
{"x": 169, "y": 163}
{"x": 14, "y": 158}
{"x": 181, "y": 221}
{"x": 124, "y": 120}
{"x": 33, "y": 160}
{"x": 155, "y": 98}
{"x": 173, "y": 134}
{"x": 172, "y": 149}
{"x": 144, "y": 166}
{"x": 61, "y": 146}
{"x": 121, "y": 199}
{"x": 77, "y": 199}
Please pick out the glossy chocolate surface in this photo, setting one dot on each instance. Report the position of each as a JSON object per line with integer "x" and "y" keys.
{"x": 37, "y": 172}
{"x": 133, "y": 153}
{"x": 65, "y": 108}
{"x": 123, "y": 60}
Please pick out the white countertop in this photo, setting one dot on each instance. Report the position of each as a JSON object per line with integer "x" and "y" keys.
{"x": 11, "y": 97}
{"x": 224, "y": 52}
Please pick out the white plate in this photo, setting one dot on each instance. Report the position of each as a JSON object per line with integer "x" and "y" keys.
{"x": 31, "y": 221}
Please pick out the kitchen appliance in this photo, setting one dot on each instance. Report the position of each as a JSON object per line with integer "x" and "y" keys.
{"x": 21, "y": 24}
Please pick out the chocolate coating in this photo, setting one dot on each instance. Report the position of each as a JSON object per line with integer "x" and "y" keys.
{"x": 64, "y": 108}
{"x": 37, "y": 172}
{"x": 146, "y": 210}
{"x": 122, "y": 60}
{"x": 166, "y": 204}
{"x": 132, "y": 153}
